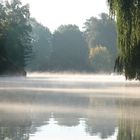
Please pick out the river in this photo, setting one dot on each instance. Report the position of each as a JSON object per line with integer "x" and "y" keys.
{"x": 69, "y": 106}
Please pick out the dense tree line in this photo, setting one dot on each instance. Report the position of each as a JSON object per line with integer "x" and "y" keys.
{"x": 68, "y": 48}
{"x": 27, "y": 44}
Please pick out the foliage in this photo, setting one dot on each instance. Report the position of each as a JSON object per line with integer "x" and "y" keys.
{"x": 42, "y": 46}
{"x": 102, "y": 32}
{"x": 15, "y": 41}
{"x": 127, "y": 15}
{"x": 100, "y": 59}
{"x": 67, "y": 49}
{"x": 70, "y": 51}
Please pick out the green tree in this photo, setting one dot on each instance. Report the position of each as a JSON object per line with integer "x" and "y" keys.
{"x": 3, "y": 29}
{"x": 70, "y": 50}
{"x": 100, "y": 59}
{"x": 18, "y": 40}
{"x": 127, "y": 15}
{"x": 102, "y": 32}
{"x": 15, "y": 41}
{"x": 42, "y": 46}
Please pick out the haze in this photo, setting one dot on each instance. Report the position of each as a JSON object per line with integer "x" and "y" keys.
{"x": 53, "y": 13}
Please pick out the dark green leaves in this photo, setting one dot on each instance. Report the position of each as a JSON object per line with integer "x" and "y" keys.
{"x": 127, "y": 14}
{"x": 15, "y": 40}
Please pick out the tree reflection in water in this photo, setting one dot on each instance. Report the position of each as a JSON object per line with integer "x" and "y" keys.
{"x": 129, "y": 121}
{"x": 14, "y": 133}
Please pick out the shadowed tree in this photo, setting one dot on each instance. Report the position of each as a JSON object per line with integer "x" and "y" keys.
{"x": 18, "y": 40}
{"x": 15, "y": 41}
{"x": 3, "y": 30}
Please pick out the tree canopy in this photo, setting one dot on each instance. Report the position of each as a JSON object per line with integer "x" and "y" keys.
{"x": 101, "y": 35}
{"x": 15, "y": 40}
{"x": 42, "y": 46}
{"x": 127, "y": 13}
{"x": 22, "y": 39}
{"x": 70, "y": 50}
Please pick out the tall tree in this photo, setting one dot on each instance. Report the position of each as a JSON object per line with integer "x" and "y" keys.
{"x": 102, "y": 32}
{"x": 70, "y": 50}
{"x": 127, "y": 13}
{"x": 42, "y": 46}
{"x": 18, "y": 40}
{"x": 3, "y": 29}
{"x": 15, "y": 41}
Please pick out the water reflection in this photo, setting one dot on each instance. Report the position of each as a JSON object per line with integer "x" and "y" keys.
{"x": 129, "y": 122}
{"x": 27, "y": 114}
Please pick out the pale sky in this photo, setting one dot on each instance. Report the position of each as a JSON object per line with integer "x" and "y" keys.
{"x": 53, "y": 13}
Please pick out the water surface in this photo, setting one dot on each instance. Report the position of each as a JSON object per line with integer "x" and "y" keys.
{"x": 69, "y": 106}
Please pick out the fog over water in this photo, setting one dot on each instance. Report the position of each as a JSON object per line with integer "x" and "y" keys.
{"x": 58, "y": 106}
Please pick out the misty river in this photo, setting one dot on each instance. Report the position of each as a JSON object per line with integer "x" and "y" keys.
{"x": 69, "y": 106}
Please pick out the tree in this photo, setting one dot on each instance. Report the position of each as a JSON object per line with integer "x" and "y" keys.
{"x": 127, "y": 15}
{"x": 18, "y": 40}
{"x": 15, "y": 41}
{"x": 100, "y": 59}
{"x": 70, "y": 50}
{"x": 102, "y": 32}
{"x": 42, "y": 46}
{"x": 3, "y": 28}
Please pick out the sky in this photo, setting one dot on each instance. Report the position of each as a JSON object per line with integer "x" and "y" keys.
{"x": 53, "y": 13}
